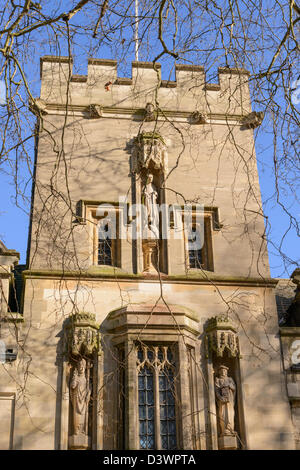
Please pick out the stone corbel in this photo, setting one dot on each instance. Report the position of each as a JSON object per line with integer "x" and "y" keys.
{"x": 96, "y": 111}
{"x": 221, "y": 335}
{"x": 148, "y": 147}
{"x": 253, "y": 120}
{"x": 150, "y": 113}
{"x": 38, "y": 106}
{"x": 199, "y": 118}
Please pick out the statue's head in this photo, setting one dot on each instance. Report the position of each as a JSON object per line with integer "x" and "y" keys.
{"x": 150, "y": 178}
{"x": 81, "y": 365}
{"x": 149, "y": 108}
{"x": 223, "y": 371}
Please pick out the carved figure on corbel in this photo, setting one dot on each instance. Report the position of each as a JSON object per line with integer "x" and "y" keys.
{"x": 199, "y": 118}
{"x": 253, "y": 120}
{"x": 83, "y": 347}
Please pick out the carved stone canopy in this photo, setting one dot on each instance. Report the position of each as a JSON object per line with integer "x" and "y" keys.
{"x": 221, "y": 336}
{"x": 83, "y": 335}
{"x": 253, "y": 120}
{"x": 148, "y": 148}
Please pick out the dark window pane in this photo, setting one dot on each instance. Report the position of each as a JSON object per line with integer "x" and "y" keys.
{"x": 150, "y": 442}
{"x": 170, "y": 356}
{"x": 142, "y": 397}
{"x": 167, "y": 409}
{"x": 163, "y": 412}
{"x": 164, "y": 427}
{"x": 171, "y": 427}
{"x": 150, "y": 427}
{"x": 143, "y": 428}
{"x": 143, "y": 443}
{"x": 164, "y": 442}
{"x": 150, "y": 397}
{"x": 150, "y": 382}
{"x": 146, "y": 412}
{"x": 141, "y": 383}
{"x": 140, "y": 355}
{"x": 142, "y": 412}
{"x": 162, "y": 382}
{"x": 162, "y": 398}
{"x": 150, "y": 355}
{"x": 105, "y": 251}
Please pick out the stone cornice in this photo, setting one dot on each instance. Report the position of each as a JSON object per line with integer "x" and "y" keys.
{"x": 138, "y": 113}
{"x": 109, "y": 274}
{"x": 289, "y": 331}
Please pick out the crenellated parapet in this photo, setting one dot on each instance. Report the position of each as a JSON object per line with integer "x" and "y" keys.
{"x": 190, "y": 94}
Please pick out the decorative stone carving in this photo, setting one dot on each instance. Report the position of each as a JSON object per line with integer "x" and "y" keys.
{"x": 148, "y": 147}
{"x": 83, "y": 340}
{"x": 83, "y": 335}
{"x": 253, "y": 120}
{"x": 96, "y": 111}
{"x": 199, "y": 118}
{"x": 80, "y": 393}
{"x": 221, "y": 336}
{"x": 38, "y": 106}
{"x": 225, "y": 390}
{"x": 150, "y": 113}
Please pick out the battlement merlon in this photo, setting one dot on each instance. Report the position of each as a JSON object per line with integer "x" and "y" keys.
{"x": 189, "y": 93}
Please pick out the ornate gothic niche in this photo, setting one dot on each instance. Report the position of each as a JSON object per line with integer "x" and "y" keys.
{"x": 83, "y": 349}
{"x": 223, "y": 360}
{"x": 149, "y": 153}
{"x": 149, "y": 163}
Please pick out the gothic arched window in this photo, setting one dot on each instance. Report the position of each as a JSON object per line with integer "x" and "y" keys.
{"x": 199, "y": 246}
{"x": 156, "y": 397}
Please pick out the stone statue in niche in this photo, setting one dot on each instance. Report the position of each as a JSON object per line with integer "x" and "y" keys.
{"x": 150, "y": 197}
{"x": 225, "y": 390}
{"x": 80, "y": 393}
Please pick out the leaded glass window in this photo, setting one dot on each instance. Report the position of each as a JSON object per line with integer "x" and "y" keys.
{"x": 195, "y": 255}
{"x": 157, "y": 397}
{"x": 104, "y": 247}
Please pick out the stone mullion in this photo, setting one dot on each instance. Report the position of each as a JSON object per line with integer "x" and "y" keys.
{"x": 131, "y": 408}
{"x": 184, "y": 396}
{"x": 157, "y": 409}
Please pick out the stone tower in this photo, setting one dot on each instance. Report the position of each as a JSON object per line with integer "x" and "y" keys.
{"x": 149, "y": 318}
